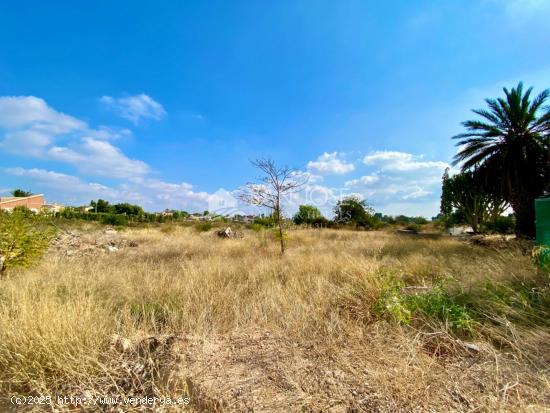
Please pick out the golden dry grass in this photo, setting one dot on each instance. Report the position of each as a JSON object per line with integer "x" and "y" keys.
{"x": 315, "y": 308}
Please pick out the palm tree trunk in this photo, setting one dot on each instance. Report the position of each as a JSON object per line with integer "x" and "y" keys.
{"x": 525, "y": 217}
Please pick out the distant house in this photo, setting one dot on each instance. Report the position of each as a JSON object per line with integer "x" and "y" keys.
{"x": 54, "y": 208}
{"x": 34, "y": 202}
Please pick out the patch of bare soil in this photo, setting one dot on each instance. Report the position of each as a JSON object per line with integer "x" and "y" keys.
{"x": 264, "y": 373}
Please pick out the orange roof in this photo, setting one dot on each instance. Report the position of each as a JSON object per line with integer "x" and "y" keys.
{"x": 18, "y": 198}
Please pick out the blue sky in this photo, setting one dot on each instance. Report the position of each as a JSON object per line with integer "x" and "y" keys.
{"x": 164, "y": 103}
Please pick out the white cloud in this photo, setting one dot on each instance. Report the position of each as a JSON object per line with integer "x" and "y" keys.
{"x": 30, "y": 124}
{"x": 153, "y": 194}
{"x": 329, "y": 164}
{"x": 364, "y": 180}
{"x": 32, "y": 128}
{"x": 63, "y": 183}
{"x": 417, "y": 192}
{"x": 97, "y": 157}
{"x": 135, "y": 107}
{"x": 394, "y": 161}
{"x": 29, "y": 111}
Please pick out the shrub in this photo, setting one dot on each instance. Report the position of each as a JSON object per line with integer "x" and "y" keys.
{"x": 541, "y": 254}
{"x": 256, "y": 227}
{"x": 114, "y": 219}
{"x": 267, "y": 222}
{"x": 23, "y": 238}
{"x": 435, "y": 304}
{"x": 203, "y": 226}
{"x": 413, "y": 227}
{"x": 502, "y": 225}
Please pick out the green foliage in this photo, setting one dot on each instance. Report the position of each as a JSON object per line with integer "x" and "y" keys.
{"x": 446, "y": 205}
{"x": 306, "y": 214}
{"x": 101, "y": 206}
{"x": 509, "y": 145}
{"x": 114, "y": 219}
{"x": 353, "y": 210}
{"x": 413, "y": 227}
{"x": 23, "y": 237}
{"x": 267, "y": 222}
{"x": 501, "y": 225}
{"x": 128, "y": 209}
{"x": 472, "y": 199}
{"x": 203, "y": 226}
{"x": 541, "y": 255}
{"x": 435, "y": 304}
{"x": 256, "y": 227}
{"x": 20, "y": 193}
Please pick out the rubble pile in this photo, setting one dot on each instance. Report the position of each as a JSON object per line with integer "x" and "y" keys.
{"x": 229, "y": 233}
{"x": 73, "y": 243}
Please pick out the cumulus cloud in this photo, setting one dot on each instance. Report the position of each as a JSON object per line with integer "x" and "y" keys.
{"x": 30, "y": 125}
{"x": 153, "y": 194}
{"x": 135, "y": 107}
{"x": 363, "y": 181}
{"x": 330, "y": 164}
{"x": 394, "y": 161}
{"x": 101, "y": 158}
{"x": 66, "y": 183}
{"x": 29, "y": 111}
{"x": 32, "y": 128}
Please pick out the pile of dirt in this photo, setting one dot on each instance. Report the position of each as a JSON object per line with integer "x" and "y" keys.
{"x": 501, "y": 242}
{"x": 75, "y": 243}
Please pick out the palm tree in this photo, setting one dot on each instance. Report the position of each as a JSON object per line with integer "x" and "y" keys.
{"x": 510, "y": 150}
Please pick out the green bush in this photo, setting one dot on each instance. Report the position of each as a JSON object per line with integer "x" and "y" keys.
{"x": 23, "y": 237}
{"x": 114, "y": 219}
{"x": 267, "y": 222}
{"x": 435, "y": 304}
{"x": 413, "y": 227}
{"x": 203, "y": 226}
{"x": 502, "y": 225}
{"x": 541, "y": 254}
{"x": 256, "y": 227}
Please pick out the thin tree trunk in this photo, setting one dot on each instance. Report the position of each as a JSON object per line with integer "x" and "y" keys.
{"x": 280, "y": 224}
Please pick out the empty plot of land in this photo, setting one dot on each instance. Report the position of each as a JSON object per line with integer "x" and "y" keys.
{"x": 343, "y": 322}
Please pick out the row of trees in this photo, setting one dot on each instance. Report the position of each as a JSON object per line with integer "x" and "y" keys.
{"x": 119, "y": 214}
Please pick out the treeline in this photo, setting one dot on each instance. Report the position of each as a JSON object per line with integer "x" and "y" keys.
{"x": 349, "y": 212}
{"x": 119, "y": 214}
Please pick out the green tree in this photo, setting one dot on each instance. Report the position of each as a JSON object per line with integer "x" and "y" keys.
{"x": 101, "y": 206}
{"x": 472, "y": 200}
{"x": 128, "y": 209}
{"x": 307, "y": 214}
{"x": 20, "y": 193}
{"x": 354, "y": 210}
{"x": 510, "y": 147}
{"x": 446, "y": 206}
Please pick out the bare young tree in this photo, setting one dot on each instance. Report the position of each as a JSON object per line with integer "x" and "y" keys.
{"x": 271, "y": 188}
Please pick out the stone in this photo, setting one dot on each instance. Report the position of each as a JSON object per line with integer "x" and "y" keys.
{"x": 225, "y": 233}
{"x": 111, "y": 248}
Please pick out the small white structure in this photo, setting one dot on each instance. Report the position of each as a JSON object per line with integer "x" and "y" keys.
{"x": 460, "y": 230}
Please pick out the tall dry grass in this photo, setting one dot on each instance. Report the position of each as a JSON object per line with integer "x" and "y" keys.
{"x": 57, "y": 319}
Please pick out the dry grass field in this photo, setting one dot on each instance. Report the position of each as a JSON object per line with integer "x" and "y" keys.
{"x": 344, "y": 322}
